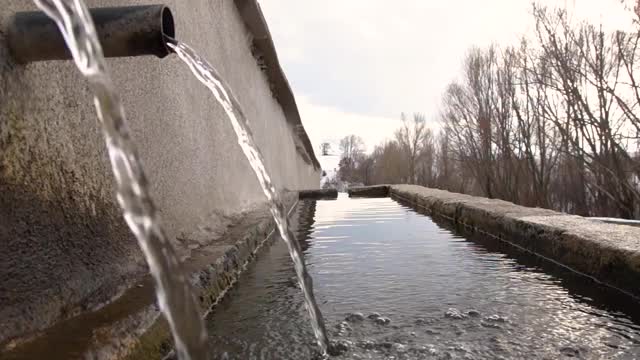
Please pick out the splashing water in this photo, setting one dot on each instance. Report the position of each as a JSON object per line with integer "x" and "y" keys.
{"x": 173, "y": 291}
{"x": 208, "y": 75}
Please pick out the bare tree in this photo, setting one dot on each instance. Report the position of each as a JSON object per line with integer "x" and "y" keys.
{"x": 426, "y": 163}
{"x": 411, "y": 138}
{"x": 352, "y": 149}
{"x": 389, "y": 164}
{"x": 351, "y": 146}
{"x": 588, "y": 70}
{"x": 325, "y": 148}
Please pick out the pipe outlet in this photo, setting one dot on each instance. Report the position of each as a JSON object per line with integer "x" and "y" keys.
{"x": 123, "y": 31}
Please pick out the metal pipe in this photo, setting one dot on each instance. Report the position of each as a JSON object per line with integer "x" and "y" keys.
{"x": 123, "y": 31}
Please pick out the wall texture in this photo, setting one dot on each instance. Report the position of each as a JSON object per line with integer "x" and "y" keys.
{"x": 64, "y": 247}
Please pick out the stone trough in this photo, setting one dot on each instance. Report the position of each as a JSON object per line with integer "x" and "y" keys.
{"x": 608, "y": 253}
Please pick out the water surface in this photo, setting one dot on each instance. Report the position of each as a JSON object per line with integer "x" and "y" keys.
{"x": 445, "y": 297}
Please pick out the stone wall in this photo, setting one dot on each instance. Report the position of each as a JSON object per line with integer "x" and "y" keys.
{"x": 64, "y": 248}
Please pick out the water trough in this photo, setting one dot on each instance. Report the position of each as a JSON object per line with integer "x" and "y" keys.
{"x": 609, "y": 253}
{"x": 74, "y": 265}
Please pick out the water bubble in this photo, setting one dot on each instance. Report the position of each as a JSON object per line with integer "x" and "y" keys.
{"x": 374, "y": 316}
{"x": 427, "y": 349}
{"x": 453, "y": 313}
{"x": 343, "y": 328}
{"x": 366, "y": 344}
{"x": 339, "y": 347}
{"x": 354, "y": 317}
{"x": 496, "y": 318}
{"x": 446, "y": 356}
{"x": 423, "y": 321}
{"x": 489, "y": 324}
{"x": 458, "y": 348}
{"x": 400, "y": 348}
{"x": 473, "y": 313}
{"x": 493, "y": 321}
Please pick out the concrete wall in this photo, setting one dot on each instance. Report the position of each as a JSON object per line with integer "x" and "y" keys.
{"x": 63, "y": 245}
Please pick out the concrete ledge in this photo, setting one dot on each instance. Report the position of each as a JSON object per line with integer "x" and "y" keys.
{"x": 318, "y": 194}
{"x": 606, "y": 252}
{"x": 132, "y": 327}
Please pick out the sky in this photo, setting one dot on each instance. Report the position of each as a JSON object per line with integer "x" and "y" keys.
{"x": 356, "y": 65}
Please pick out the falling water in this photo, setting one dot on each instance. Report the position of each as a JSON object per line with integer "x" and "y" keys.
{"x": 174, "y": 294}
{"x": 208, "y": 75}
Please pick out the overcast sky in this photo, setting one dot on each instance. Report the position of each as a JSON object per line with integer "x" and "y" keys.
{"x": 355, "y": 65}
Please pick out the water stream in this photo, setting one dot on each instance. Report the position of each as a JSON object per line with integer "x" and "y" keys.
{"x": 173, "y": 291}
{"x": 208, "y": 75}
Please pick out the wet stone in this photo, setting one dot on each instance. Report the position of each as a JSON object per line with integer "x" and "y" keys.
{"x": 453, "y": 313}
{"x": 383, "y": 321}
{"x": 355, "y": 317}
